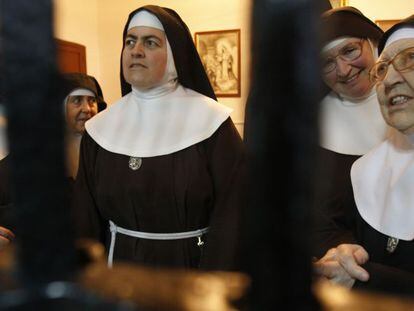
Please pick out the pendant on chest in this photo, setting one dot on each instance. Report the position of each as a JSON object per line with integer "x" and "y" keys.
{"x": 392, "y": 244}
{"x": 135, "y": 163}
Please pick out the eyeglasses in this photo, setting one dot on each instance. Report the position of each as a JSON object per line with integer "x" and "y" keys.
{"x": 403, "y": 61}
{"x": 348, "y": 53}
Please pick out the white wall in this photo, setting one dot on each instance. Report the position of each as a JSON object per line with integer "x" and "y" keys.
{"x": 384, "y": 9}
{"x": 77, "y": 21}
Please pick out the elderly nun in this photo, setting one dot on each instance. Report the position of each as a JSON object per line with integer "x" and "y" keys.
{"x": 350, "y": 119}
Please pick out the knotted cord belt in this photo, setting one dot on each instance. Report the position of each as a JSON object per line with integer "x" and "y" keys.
{"x": 150, "y": 236}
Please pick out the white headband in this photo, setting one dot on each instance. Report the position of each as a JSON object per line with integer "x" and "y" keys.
{"x": 144, "y": 18}
{"x": 402, "y": 33}
{"x": 82, "y": 92}
{"x": 334, "y": 43}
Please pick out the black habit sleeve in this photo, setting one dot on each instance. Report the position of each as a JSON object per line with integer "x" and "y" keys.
{"x": 387, "y": 279}
{"x": 87, "y": 220}
{"x": 335, "y": 224}
{"x": 226, "y": 158}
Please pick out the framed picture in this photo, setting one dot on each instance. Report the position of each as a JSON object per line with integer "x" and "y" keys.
{"x": 386, "y": 24}
{"x": 220, "y": 54}
{"x": 339, "y": 3}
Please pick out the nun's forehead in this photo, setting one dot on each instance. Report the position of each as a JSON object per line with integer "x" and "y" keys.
{"x": 395, "y": 47}
{"x": 81, "y": 91}
{"x": 401, "y": 33}
{"x": 341, "y": 41}
{"x": 145, "y": 18}
{"x": 145, "y": 31}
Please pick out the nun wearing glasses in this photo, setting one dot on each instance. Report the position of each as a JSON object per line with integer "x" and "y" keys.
{"x": 381, "y": 256}
{"x": 350, "y": 120}
{"x": 160, "y": 171}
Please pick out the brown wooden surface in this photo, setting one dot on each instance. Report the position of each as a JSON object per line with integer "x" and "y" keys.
{"x": 386, "y": 24}
{"x": 71, "y": 56}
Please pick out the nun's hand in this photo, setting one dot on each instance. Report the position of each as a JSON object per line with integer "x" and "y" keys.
{"x": 6, "y": 236}
{"x": 351, "y": 257}
{"x": 341, "y": 265}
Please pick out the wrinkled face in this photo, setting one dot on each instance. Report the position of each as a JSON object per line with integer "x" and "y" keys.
{"x": 350, "y": 78}
{"x": 80, "y": 109}
{"x": 396, "y": 91}
{"x": 144, "y": 57}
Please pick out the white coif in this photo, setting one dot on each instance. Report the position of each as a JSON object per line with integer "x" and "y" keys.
{"x": 382, "y": 181}
{"x": 147, "y": 126}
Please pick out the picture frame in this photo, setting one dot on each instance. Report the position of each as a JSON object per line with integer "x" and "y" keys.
{"x": 339, "y": 3}
{"x": 219, "y": 52}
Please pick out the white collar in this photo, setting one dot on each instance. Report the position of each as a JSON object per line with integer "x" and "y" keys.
{"x": 156, "y": 92}
{"x": 351, "y": 127}
{"x": 382, "y": 181}
{"x": 147, "y": 126}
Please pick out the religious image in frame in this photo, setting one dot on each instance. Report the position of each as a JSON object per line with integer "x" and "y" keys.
{"x": 338, "y": 3}
{"x": 220, "y": 54}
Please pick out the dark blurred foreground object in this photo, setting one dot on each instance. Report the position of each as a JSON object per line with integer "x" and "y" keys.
{"x": 35, "y": 130}
{"x": 179, "y": 291}
{"x": 323, "y": 5}
{"x": 125, "y": 287}
{"x": 281, "y": 137}
{"x": 337, "y": 298}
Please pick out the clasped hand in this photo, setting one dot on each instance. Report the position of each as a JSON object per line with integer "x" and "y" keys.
{"x": 342, "y": 265}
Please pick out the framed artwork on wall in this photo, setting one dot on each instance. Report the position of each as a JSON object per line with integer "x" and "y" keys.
{"x": 220, "y": 54}
{"x": 339, "y": 3}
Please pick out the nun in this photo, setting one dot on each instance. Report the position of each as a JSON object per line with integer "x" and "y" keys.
{"x": 350, "y": 120}
{"x": 83, "y": 100}
{"x": 160, "y": 172}
{"x": 379, "y": 256}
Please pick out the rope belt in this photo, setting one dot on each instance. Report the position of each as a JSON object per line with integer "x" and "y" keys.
{"x": 150, "y": 236}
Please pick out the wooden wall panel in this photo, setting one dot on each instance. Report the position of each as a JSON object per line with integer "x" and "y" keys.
{"x": 71, "y": 56}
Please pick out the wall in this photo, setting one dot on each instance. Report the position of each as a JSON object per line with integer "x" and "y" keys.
{"x": 77, "y": 21}
{"x": 384, "y": 9}
{"x": 198, "y": 15}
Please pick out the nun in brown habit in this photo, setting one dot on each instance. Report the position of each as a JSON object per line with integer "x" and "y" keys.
{"x": 161, "y": 169}
{"x": 350, "y": 120}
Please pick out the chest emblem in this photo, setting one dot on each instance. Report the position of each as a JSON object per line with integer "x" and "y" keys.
{"x": 392, "y": 244}
{"x": 135, "y": 163}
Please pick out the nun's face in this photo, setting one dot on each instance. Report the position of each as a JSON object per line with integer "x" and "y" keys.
{"x": 350, "y": 78}
{"x": 396, "y": 91}
{"x": 144, "y": 57}
{"x": 80, "y": 109}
